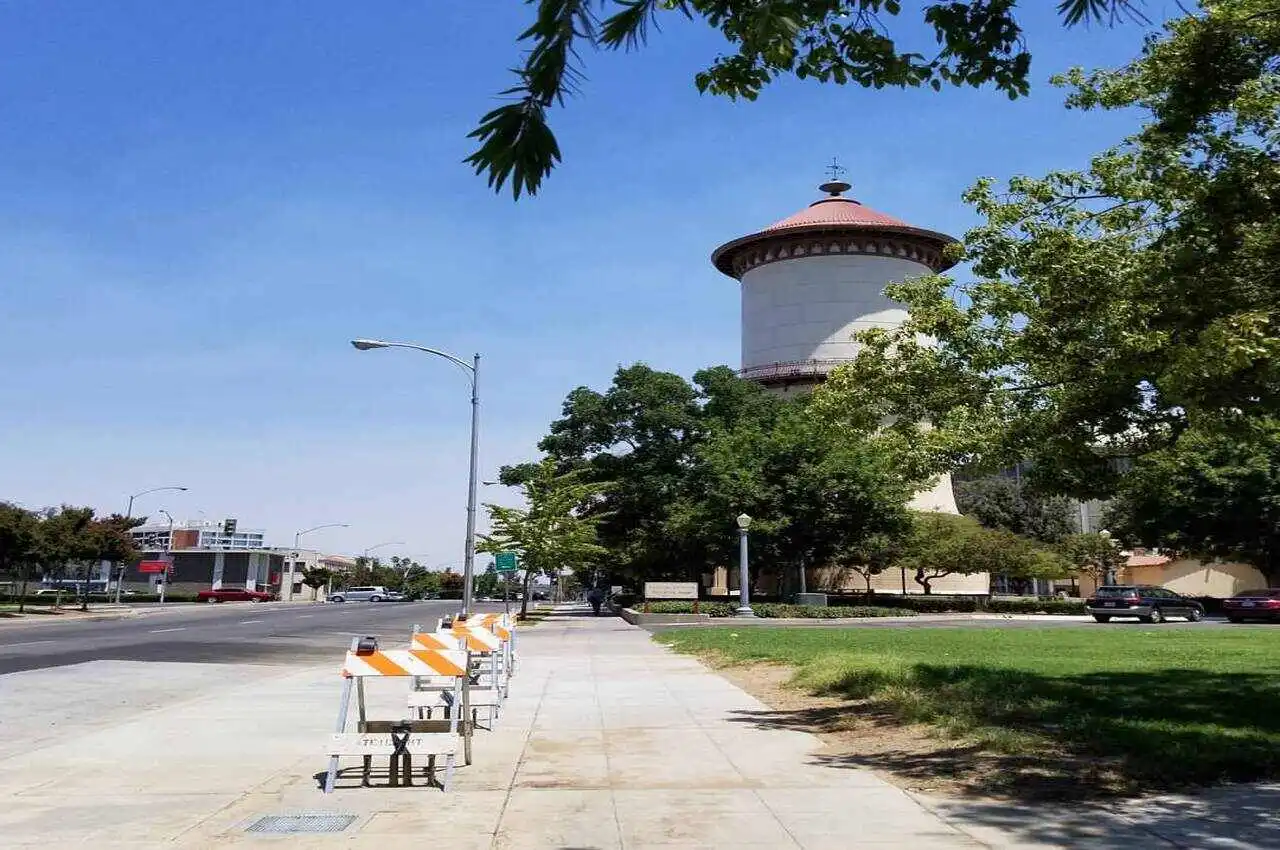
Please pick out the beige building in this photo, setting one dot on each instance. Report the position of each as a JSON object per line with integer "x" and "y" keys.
{"x": 1188, "y": 576}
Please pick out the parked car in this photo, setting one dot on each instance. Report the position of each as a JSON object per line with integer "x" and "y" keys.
{"x": 1253, "y": 605}
{"x": 234, "y": 594}
{"x": 1148, "y": 603}
{"x": 364, "y": 594}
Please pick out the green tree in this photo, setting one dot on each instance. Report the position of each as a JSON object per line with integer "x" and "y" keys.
{"x": 488, "y": 583}
{"x": 1095, "y": 555}
{"x": 947, "y": 544}
{"x": 108, "y": 539}
{"x": 64, "y": 542}
{"x": 1110, "y": 307}
{"x": 554, "y": 529}
{"x": 832, "y": 41}
{"x": 872, "y": 555}
{"x": 422, "y": 582}
{"x": 316, "y": 578}
{"x": 814, "y": 492}
{"x": 19, "y": 542}
{"x": 1214, "y": 492}
{"x": 640, "y": 436}
{"x": 1003, "y": 503}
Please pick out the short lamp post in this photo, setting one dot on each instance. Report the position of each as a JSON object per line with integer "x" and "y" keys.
{"x": 744, "y": 580}
{"x": 1109, "y": 574}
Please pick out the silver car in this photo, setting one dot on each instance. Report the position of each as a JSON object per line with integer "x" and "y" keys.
{"x": 363, "y": 594}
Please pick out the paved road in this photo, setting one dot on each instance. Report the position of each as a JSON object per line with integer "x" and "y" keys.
{"x": 231, "y": 633}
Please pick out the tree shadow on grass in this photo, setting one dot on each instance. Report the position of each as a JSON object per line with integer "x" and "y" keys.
{"x": 1018, "y": 734}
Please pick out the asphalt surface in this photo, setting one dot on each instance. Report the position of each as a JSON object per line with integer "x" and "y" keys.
{"x": 230, "y": 633}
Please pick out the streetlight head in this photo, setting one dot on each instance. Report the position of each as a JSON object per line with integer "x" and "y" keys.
{"x": 367, "y": 344}
{"x": 744, "y": 521}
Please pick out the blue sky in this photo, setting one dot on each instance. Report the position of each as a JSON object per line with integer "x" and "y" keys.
{"x": 200, "y": 203}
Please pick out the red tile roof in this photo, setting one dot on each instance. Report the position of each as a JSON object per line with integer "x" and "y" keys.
{"x": 1146, "y": 560}
{"x": 841, "y": 212}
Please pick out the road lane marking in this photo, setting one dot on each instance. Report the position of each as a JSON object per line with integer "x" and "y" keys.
{"x": 162, "y": 631}
{"x": 305, "y": 616}
{"x": 25, "y": 643}
{"x": 247, "y": 622}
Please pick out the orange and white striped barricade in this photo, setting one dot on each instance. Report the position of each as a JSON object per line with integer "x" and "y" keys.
{"x": 432, "y": 692}
{"x": 486, "y": 686}
{"x": 502, "y": 625}
{"x": 403, "y": 739}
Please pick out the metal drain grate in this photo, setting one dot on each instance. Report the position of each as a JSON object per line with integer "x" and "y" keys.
{"x": 305, "y": 822}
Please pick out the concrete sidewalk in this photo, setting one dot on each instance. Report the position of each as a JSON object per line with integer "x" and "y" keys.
{"x": 609, "y": 741}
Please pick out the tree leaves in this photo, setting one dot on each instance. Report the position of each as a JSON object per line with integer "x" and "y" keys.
{"x": 837, "y": 41}
{"x": 1112, "y": 307}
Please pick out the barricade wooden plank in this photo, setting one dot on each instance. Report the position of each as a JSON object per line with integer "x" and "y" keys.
{"x": 381, "y": 744}
{"x": 427, "y": 640}
{"x": 406, "y": 662}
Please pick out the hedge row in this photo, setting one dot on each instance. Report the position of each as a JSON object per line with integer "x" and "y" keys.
{"x": 774, "y": 610}
{"x": 826, "y": 612}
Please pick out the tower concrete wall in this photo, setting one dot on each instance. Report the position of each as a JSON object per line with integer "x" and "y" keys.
{"x": 809, "y": 308}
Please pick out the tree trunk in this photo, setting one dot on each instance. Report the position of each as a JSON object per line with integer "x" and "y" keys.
{"x": 524, "y": 597}
{"x": 924, "y": 581}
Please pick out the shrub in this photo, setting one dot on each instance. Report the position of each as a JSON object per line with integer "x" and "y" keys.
{"x": 826, "y": 612}
{"x": 712, "y": 609}
{"x": 1036, "y": 606}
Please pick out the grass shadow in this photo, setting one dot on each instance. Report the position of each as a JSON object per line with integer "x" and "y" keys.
{"x": 1017, "y": 733}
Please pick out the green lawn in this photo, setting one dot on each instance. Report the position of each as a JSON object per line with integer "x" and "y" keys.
{"x": 1119, "y": 709}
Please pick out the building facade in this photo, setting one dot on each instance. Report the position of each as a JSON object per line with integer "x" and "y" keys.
{"x": 197, "y": 534}
{"x": 201, "y": 569}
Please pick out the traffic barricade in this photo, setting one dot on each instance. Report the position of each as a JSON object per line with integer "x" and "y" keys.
{"x": 403, "y": 739}
{"x": 487, "y": 686}
{"x": 430, "y": 693}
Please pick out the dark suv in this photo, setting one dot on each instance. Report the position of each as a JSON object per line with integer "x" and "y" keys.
{"x": 1149, "y": 604}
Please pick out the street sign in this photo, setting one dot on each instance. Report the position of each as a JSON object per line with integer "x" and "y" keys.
{"x": 155, "y": 566}
{"x": 505, "y": 562}
{"x": 670, "y": 590}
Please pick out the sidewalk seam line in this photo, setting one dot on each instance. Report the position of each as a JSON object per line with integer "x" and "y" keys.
{"x": 524, "y": 750}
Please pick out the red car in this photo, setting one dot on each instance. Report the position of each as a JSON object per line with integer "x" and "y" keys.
{"x": 234, "y": 594}
{"x": 1253, "y": 605}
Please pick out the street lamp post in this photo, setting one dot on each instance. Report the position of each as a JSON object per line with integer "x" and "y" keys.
{"x": 297, "y": 544}
{"x": 473, "y": 368}
{"x": 744, "y": 580}
{"x": 128, "y": 514}
{"x": 168, "y": 551}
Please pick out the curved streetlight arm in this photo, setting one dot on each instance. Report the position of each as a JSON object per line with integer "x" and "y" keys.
{"x": 129, "y": 513}
{"x": 326, "y": 525}
{"x": 369, "y": 344}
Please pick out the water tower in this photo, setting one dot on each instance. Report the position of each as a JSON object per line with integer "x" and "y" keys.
{"x": 814, "y": 279}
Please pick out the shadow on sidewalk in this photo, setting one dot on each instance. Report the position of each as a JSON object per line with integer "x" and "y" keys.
{"x": 1240, "y": 816}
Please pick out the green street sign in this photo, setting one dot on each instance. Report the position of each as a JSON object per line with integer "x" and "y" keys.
{"x": 505, "y": 562}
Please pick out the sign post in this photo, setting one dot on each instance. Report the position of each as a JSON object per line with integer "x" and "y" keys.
{"x": 505, "y": 564}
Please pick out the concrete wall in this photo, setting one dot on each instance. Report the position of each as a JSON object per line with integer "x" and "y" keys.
{"x": 810, "y": 307}
{"x": 1190, "y": 577}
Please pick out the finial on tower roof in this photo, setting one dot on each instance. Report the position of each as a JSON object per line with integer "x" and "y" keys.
{"x": 835, "y": 186}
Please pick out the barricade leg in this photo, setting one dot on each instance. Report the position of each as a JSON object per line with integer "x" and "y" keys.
{"x": 341, "y": 727}
{"x": 367, "y": 760}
